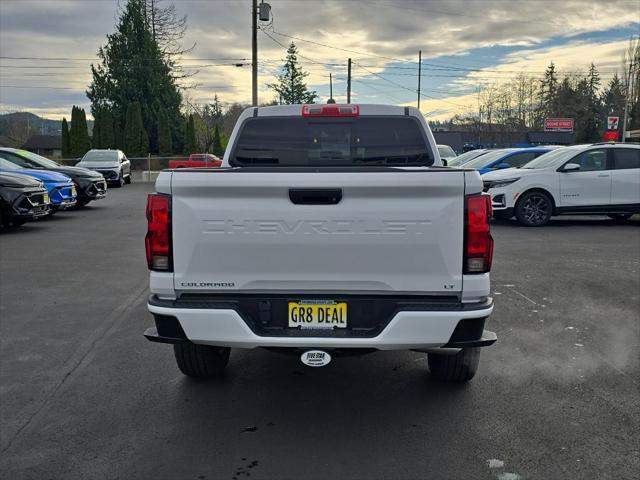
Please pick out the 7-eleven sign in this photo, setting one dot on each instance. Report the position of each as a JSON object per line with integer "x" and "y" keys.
{"x": 612, "y": 123}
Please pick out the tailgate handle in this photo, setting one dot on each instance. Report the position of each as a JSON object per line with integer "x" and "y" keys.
{"x": 315, "y": 196}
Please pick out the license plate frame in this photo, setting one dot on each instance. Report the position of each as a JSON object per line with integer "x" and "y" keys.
{"x": 317, "y": 314}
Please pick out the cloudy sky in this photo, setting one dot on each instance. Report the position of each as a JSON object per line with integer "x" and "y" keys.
{"x": 46, "y": 47}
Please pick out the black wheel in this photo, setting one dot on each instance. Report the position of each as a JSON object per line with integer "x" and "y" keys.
{"x": 620, "y": 217}
{"x": 460, "y": 367}
{"x": 127, "y": 179}
{"x": 82, "y": 202}
{"x": 534, "y": 209}
{"x": 201, "y": 361}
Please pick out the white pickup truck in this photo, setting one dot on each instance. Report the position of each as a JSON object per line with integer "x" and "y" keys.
{"x": 328, "y": 229}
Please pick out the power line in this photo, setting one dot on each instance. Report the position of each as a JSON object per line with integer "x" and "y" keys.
{"x": 41, "y": 87}
{"x": 382, "y": 92}
{"x": 410, "y": 89}
{"x": 340, "y": 48}
{"x": 199, "y": 59}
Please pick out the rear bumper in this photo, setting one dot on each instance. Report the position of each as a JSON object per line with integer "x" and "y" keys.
{"x": 407, "y": 330}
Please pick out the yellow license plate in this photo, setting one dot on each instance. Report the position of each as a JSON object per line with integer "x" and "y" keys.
{"x": 317, "y": 314}
{"x": 45, "y": 198}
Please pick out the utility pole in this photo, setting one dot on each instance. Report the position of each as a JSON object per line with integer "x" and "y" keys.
{"x": 331, "y": 100}
{"x": 349, "y": 82}
{"x": 330, "y": 85}
{"x": 626, "y": 101}
{"x": 419, "y": 74}
{"x": 254, "y": 53}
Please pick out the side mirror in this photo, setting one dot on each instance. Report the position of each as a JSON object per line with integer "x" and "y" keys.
{"x": 571, "y": 167}
{"x": 444, "y": 162}
{"x": 501, "y": 166}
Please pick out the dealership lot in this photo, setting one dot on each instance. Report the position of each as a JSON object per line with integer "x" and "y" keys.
{"x": 84, "y": 395}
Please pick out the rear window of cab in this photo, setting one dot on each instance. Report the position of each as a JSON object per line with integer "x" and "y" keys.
{"x": 331, "y": 141}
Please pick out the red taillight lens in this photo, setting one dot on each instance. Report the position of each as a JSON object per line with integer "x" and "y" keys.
{"x": 158, "y": 238}
{"x": 478, "y": 241}
{"x": 331, "y": 110}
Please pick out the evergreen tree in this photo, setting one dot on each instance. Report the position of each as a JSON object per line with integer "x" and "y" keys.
{"x": 190, "y": 143}
{"x": 164, "y": 133}
{"x": 73, "y": 132}
{"x": 79, "y": 141}
{"x": 290, "y": 85}
{"x": 549, "y": 92}
{"x": 567, "y": 97}
{"x": 132, "y": 54}
{"x": 106, "y": 130}
{"x": 96, "y": 139}
{"x": 118, "y": 133}
{"x": 592, "y": 110}
{"x": 218, "y": 149}
{"x": 613, "y": 97}
{"x": 136, "y": 140}
{"x": 84, "y": 141}
{"x": 66, "y": 146}
{"x": 144, "y": 141}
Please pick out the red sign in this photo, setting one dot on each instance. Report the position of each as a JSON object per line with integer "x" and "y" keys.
{"x": 611, "y": 136}
{"x": 558, "y": 124}
{"x": 612, "y": 123}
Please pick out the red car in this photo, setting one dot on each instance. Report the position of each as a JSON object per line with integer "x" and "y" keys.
{"x": 197, "y": 160}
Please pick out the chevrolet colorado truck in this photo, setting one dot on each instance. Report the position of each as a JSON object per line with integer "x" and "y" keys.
{"x": 329, "y": 229}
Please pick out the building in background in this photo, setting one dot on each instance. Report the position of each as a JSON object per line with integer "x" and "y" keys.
{"x": 9, "y": 142}
{"x": 45, "y": 145}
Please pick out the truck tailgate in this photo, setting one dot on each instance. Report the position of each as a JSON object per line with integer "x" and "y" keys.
{"x": 392, "y": 231}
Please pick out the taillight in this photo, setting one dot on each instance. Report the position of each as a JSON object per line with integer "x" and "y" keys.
{"x": 478, "y": 247}
{"x": 158, "y": 238}
{"x": 331, "y": 110}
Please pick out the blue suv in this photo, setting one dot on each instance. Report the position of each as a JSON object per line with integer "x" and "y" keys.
{"x": 506, "y": 158}
{"x": 62, "y": 191}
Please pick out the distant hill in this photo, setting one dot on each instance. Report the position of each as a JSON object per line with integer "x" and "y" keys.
{"x": 21, "y": 125}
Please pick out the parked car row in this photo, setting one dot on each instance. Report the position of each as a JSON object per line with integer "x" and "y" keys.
{"x": 32, "y": 186}
{"x": 534, "y": 184}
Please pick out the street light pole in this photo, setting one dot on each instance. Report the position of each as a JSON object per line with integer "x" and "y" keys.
{"x": 254, "y": 53}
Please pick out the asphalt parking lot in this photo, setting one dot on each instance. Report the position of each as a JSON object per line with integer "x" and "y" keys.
{"x": 84, "y": 395}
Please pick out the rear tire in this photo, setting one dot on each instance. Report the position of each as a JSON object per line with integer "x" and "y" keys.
{"x": 620, "y": 217}
{"x": 201, "y": 361}
{"x": 534, "y": 209}
{"x": 460, "y": 367}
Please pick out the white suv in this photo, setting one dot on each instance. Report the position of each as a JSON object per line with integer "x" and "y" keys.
{"x": 582, "y": 179}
